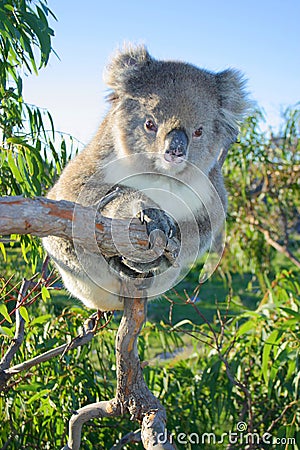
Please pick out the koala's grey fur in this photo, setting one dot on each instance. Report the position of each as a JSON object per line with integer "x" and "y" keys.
{"x": 168, "y": 121}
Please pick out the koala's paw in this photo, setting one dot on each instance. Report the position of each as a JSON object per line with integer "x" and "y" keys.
{"x": 158, "y": 222}
{"x": 125, "y": 271}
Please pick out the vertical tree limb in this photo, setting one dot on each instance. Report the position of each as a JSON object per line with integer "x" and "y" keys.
{"x": 133, "y": 395}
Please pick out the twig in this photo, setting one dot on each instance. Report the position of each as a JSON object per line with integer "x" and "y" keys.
{"x": 86, "y": 336}
{"x": 280, "y": 248}
{"x": 290, "y": 405}
{"x": 130, "y": 438}
{"x": 19, "y": 333}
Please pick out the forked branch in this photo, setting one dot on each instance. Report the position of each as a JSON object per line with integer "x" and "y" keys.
{"x": 43, "y": 217}
{"x": 133, "y": 395}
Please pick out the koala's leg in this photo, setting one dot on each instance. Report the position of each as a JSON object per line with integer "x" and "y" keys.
{"x": 86, "y": 276}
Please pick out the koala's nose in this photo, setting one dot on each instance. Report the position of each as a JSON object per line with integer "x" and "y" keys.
{"x": 176, "y": 145}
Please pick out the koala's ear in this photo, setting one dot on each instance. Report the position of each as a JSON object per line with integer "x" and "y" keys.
{"x": 232, "y": 100}
{"x": 123, "y": 67}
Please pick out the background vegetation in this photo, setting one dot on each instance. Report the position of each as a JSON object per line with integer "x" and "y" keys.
{"x": 220, "y": 354}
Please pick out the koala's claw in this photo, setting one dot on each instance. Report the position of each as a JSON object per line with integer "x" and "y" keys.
{"x": 172, "y": 232}
{"x": 155, "y": 237}
{"x": 157, "y": 221}
{"x": 111, "y": 195}
{"x": 160, "y": 227}
{"x": 142, "y": 216}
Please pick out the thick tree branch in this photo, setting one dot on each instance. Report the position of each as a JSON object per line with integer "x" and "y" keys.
{"x": 43, "y": 217}
{"x": 132, "y": 391}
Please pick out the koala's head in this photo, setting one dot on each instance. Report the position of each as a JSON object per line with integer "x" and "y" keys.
{"x": 173, "y": 111}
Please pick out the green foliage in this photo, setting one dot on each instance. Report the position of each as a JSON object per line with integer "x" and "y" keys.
{"x": 186, "y": 371}
{"x": 32, "y": 155}
{"x": 230, "y": 358}
{"x": 35, "y": 410}
{"x": 262, "y": 174}
{"x": 25, "y": 36}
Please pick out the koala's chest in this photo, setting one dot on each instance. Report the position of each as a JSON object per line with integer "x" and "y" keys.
{"x": 177, "y": 198}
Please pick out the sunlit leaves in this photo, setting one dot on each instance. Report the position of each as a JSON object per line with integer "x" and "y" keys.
{"x": 25, "y": 45}
{"x": 45, "y": 293}
{"x": 32, "y": 155}
{"x": 4, "y": 312}
{"x": 24, "y": 313}
{"x": 25, "y": 35}
{"x": 262, "y": 175}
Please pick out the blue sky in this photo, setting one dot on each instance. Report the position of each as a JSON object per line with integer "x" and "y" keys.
{"x": 261, "y": 38}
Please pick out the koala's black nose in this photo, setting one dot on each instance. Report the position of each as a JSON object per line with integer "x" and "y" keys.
{"x": 176, "y": 145}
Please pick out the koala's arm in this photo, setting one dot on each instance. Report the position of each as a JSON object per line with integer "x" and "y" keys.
{"x": 208, "y": 222}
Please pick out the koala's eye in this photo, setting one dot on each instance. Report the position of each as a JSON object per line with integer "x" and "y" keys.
{"x": 197, "y": 133}
{"x": 150, "y": 125}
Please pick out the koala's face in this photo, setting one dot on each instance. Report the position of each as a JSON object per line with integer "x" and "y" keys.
{"x": 172, "y": 123}
{"x": 172, "y": 112}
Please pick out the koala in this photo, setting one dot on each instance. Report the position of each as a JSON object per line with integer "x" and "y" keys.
{"x": 155, "y": 156}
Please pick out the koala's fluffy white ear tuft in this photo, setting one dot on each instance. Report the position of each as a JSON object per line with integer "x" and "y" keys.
{"x": 123, "y": 67}
{"x": 232, "y": 99}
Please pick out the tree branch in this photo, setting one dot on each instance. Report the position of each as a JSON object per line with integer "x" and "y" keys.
{"x": 280, "y": 248}
{"x": 19, "y": 333}
{"x": 43, "y": 217}
{"x": 7, "y": 372}
{"x": 86, "y": 227}
{"x": 83, "y": 415}
{"x": 132, "y": 391}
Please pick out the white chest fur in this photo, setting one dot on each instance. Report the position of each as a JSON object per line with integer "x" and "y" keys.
{"x": 180, "y": 195}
